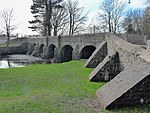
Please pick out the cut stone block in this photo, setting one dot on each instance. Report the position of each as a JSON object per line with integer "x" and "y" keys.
{"x": 107, "y": 69}
{"x": 98, "y": 55}
{"x": 130, "y": 87}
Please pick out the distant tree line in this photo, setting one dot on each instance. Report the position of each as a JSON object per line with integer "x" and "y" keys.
{"x": 115, "y": 17}
{"x": 56, "y": 17}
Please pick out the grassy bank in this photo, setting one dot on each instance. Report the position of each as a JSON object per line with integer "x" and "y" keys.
{"x": 54, "y": 88}
{"x": 4, "y": 45}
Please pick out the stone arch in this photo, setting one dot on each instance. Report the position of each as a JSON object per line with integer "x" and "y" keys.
{"x": 51, "y": 50}
{"x": 87, "y": 51}
{"x": 41, "y": 48}
{"x": 66, "y": 53}
{"x": 34, "y": 44}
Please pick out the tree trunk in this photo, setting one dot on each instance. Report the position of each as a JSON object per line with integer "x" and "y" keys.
{"x": 109, "y": 22}
{"x": 70, "y": 27}
{"x": 46, "y": 16}
{"x": 49, "y": 18}
{"x": 7, "y": 44}
{"x": 55, "y": 30}
{"x": 8, "y": 63}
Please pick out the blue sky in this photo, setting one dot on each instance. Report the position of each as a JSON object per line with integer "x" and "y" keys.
{"x": 93, "y": 7}
{"x": 22, "y": 11}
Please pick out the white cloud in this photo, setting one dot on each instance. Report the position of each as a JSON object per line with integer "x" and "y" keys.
{"x": 90, "y": 4}
{"x": 92, "y": 17}
{"x": 137, "y": 3}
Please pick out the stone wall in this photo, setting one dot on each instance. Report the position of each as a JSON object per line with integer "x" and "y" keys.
{"x": 134, "y": 39}
{"x": 18, "y": 41}
{"x": 22, "y": 49}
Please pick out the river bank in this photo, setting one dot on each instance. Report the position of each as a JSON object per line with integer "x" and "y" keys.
{"x": 20, "y": 60}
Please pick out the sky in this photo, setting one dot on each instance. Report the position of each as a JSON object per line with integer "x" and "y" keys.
{"x": 22, "y": 14}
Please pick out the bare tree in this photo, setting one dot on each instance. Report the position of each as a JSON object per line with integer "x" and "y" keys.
{"x": 148, "y": 2}
{"x": 128, "y": 23}
{"x": 77, "y": 18}
{"x": 146, "y": 22}
{"x": 132, "y": 21}
{"x": 7, "y": 26}
{"x": 110, "y": 14}
{"x": 59, "y": 20}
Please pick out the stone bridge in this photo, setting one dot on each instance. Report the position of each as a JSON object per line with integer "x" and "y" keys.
{"x": 63, "y": 48}
{"x": 66, "y": 48}
{"x": 126, "y": 69}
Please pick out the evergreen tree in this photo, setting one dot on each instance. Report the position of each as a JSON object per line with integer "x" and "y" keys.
{"x": 42, "y": 11}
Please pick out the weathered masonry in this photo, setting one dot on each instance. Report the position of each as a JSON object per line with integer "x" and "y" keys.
{"x": 123, "y": 66}
{"x": 63, "y": 48}
{"x": 119, "y": 56}
{"x": 66, "y": 48}
{"x": 130, "y": 87}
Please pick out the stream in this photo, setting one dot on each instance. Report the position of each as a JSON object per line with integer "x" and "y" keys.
{"x": 12, "y": 61}
{"x": 9, "y": 64}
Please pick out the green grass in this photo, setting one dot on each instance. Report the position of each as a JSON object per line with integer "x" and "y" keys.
{"x": 3, "y": 45}
{"x": 54, "y": 88}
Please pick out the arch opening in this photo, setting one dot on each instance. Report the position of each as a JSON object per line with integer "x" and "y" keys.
{"x": 87, "y": 51}
{"x": 51, "y": 51}
{"x": 34, "y": 44}
{"x": 66, "y": 53}
{"x": 41, "y": 48}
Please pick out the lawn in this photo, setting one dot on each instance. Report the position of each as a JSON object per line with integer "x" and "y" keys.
{"x": 4, "y": 45}
{"x": 51, "y": 88}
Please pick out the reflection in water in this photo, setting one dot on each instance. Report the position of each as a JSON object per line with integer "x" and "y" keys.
{"x": 9, "y": 64}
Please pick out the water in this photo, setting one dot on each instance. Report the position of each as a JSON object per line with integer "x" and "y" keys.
{"x": 9, "y": 64}
{"x": 17, "y": 60}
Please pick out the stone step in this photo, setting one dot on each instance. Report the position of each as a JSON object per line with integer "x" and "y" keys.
{"x": 130, "y": 87}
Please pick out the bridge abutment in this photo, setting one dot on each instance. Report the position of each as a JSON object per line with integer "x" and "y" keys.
{"x": 57, "y": 55}
{"x": 45, "y": 54}
{"x": 36, "y": 51}
{"x": 30, "y": 49}
{"x": 76, "y": 53}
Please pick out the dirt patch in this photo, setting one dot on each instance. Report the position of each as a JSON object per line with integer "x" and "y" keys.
{"x": 91, "y": 104}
